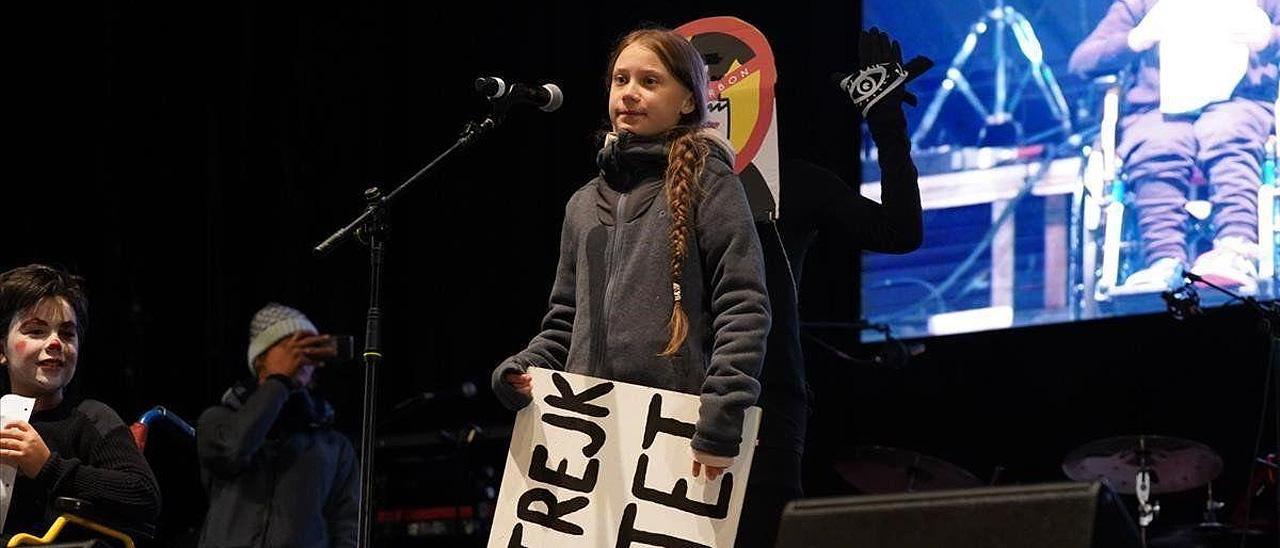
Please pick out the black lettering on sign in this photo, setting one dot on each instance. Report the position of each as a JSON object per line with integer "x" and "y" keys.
{"x": 628, "y": 534}
{"x": 657, "y": 423}
{"x": 555, "y": 510}
{"x": 577, "y": 403}
{"x": 677, "y": 498}
{"x": 517, "y": 537}
{"x": 538, "y": 471}
{"x": 591, "y": 429}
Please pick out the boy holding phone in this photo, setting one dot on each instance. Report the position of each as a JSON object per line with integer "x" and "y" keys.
{"x": 277, "y": 472}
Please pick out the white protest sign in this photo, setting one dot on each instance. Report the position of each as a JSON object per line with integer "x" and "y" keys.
{"x": 12, "y": 408}
{"x": 604, "y": 463}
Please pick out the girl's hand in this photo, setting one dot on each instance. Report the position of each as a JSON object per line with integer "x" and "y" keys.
{"x": 522, "y": 382}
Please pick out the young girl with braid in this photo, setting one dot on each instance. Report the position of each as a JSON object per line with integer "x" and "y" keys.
{"x": 660, "y": 280}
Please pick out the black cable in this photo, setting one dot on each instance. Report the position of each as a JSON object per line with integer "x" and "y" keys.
{"x": 1257, "y": 438}
{"x": 833, "y": 350}
{"x": 918, "y": 306}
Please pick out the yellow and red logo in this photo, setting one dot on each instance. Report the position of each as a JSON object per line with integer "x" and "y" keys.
{"x": 742, "y": 76}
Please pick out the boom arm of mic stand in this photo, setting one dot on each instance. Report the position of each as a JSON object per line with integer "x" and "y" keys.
{"x": 469, "y": 134}
{"x": 1268, "y": 312}
{"x": 337, "y": 237}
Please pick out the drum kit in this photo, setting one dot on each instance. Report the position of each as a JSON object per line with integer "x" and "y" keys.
{"x": 1139, "y": 466}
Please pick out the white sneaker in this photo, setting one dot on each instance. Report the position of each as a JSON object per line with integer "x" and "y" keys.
{"x": 1231, "y": 264}
{"x": 1163, "y": 275}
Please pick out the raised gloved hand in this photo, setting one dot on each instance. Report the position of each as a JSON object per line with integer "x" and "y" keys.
{"x": 881, "y": 76}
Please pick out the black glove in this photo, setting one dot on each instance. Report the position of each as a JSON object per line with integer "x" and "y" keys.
{"x": 881, "y": 76}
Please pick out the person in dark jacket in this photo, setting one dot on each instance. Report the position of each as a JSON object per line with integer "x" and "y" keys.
{"x": 660, "y": 279}
{"x": 79, "y": 449}
{"x": 276, "y": 471}
{"x": 1164, "y": 136}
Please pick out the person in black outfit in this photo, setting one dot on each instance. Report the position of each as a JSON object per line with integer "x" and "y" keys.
{"x": 814, "y": 201}
{"x": 79, "y": 449}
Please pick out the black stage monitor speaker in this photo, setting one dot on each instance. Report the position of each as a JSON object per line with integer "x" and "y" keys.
{"x": 1059, "y": 515}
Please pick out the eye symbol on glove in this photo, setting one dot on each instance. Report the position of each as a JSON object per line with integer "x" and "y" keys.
{"x": 873, "y": 83}
{"x": 866, "y": 83}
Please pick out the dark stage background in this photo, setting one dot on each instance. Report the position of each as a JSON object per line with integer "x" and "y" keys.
{"x": 185, "y": 158}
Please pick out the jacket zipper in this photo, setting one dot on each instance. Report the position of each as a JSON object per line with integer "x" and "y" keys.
{"x": 619, "y": 220}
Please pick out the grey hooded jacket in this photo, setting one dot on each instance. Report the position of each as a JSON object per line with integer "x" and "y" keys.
{"x": 611, "y": 303}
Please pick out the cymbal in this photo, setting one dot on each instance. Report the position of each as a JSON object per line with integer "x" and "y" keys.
{"x": 1176, "y": 464}
{"x": 886, "y": 470}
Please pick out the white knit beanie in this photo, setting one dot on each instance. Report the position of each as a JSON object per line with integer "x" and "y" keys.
{"x": 274, "y": 322}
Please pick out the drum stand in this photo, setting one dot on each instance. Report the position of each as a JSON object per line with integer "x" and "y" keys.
{"x": 1000, "y": 128}
{"x": 1147, "y": 509}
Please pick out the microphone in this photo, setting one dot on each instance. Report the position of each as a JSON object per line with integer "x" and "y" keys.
{"x": 547, "y": 97}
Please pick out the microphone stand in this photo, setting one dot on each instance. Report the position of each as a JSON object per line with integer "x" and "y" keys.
{"x": 1269, "y": 318}
{"x": 372, "y": 229}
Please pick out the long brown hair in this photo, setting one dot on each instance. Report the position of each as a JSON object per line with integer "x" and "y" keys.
{"x": 686, "y": 156}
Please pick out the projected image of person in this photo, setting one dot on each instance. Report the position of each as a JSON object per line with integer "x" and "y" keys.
{"x": 1204, "y": 80}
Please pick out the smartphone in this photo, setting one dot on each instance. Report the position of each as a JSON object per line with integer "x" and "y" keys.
{"x": 344, "y": 345}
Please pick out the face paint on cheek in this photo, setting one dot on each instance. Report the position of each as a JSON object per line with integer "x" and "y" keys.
{"x": 20, "y": 347}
